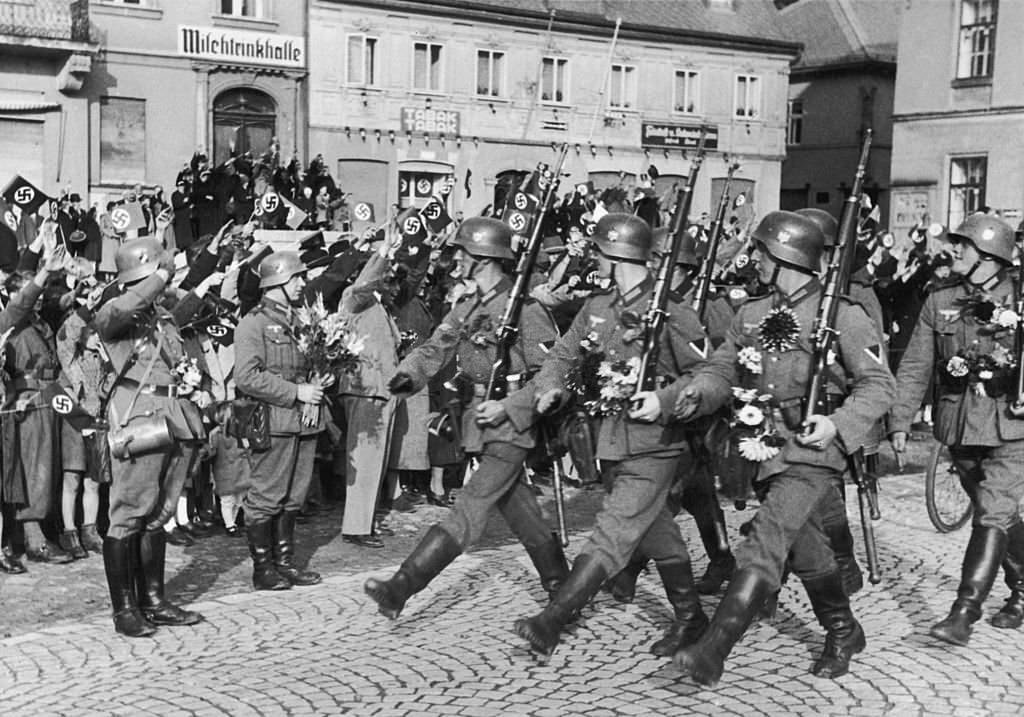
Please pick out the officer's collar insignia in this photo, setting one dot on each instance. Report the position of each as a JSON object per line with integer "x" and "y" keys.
{"x": 700, "y": 347}
{"x": 988, "y": 234}
{"x": 784, "y": 236}
{"x": 613, "y": 235}
{"x": 875, "y": 354}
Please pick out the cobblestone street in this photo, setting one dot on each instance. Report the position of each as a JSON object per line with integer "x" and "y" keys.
{"x": 324, "y": 650}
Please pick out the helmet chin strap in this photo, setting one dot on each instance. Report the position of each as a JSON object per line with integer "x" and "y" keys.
{"x": 291, "y": 300}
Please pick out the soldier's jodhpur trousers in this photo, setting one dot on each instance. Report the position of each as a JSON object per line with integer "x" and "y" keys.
{"x": 144, "y": 490}
{"x": 281, "y": 477}
{"x": 993, "y": 476}
{"x": 497, "y": 483}
{"x": 634, "y": 514}
{"x": 788, "y": 524}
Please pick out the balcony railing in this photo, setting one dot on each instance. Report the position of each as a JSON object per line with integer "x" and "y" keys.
{"x": 45, "y": 19}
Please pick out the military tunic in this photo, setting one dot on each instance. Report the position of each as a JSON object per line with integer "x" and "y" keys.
{"x": 268, "y": 368}
{"x": 143, "y": 344}
{"x": 468, "y": 333}
{"x": 798, "y": 479}
{"x": 986, "y": 443}
{"x": 638, "y": 460}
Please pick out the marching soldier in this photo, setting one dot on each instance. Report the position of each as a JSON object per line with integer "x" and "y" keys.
{"x": 694, "y": 489}
{"x": 500, "y": 432}
{"x": 639, "y": 453}
{"x": 767, "y": 352}
{"x": 270, "y": 368}
{"x": 155, "y": 435}
{"x": 965, "y": 334}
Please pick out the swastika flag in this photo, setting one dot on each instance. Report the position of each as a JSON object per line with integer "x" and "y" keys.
{"x": 23, "y": 193}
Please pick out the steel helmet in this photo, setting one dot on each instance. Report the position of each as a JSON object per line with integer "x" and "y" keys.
{"x": 624, "y": 236}
{"x": 137, "y": 259}
{"x": 791, "y": 239}
{"x": 279, "y": 267}
{"x": 989, "y": 235}
{"x": 485, "y": 237}
{"x": 825, "y": 221}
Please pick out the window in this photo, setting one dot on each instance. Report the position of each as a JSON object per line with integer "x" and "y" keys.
{"x": 686, "y": 93}
{"x": 490, "y": 73}
{"x": 244, "y": 120}
{"x": 966, "y": 187}
{"x": 795, "y": 127}
{"x": 622, "y": 87}
{"x": 426, "y": 66}
{"x": 122, "y": 140}
{"x": 748, "y": 97}
{"x": 554, "y": 83}
{"x": 977, "y": 38}
{"x": 362, "y": 60}
{"x": 244, "y": 8}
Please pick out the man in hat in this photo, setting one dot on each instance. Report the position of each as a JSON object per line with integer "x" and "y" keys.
{"x": 639, "y": 453}
{"x": 767, "y": 353}
{"x": 965, "y": 337}
{"x": 158, "y": 432}
{"x": 270, "y": 368}
{"x": 499, "y": 432}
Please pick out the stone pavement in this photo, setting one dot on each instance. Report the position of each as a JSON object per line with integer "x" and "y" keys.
{"x": 323, "y": 650}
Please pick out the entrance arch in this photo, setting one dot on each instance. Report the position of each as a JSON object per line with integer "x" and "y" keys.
{"x": 246, "y": 117}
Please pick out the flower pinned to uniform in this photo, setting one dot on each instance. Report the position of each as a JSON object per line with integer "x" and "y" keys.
{"x": 591, "y": 342}
{"x": 957, "y": 367}
{"x": 750, "y": 415}
{"x": 481, "y": 331}
{"x": 752, "y": 426}
{"x": 1005, "y": 318}
{"x": 187, "y": 376}
{"x": 405, "y": 341}
{"x": 756, "y": 450}
{"x": 779, "y": 330}
{"x": 749, "y": 358}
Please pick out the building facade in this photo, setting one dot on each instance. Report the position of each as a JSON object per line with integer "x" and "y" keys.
{"x": 842, "y": 85}
{"x": 959, "y": 112}
{"x": 46, "y": 55}
{"x": 405, "y": 95}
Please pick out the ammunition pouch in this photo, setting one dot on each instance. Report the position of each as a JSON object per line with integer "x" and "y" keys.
{"x": 249, "y": 423}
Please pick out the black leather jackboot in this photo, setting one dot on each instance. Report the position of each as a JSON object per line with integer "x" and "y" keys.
{"x": 551, "y": 564}
{"x": 434, "y": 553}
{"x": 622, "y": 585}
{"x": 985, "y": 552}
{"x": 844, "y": 636}
{"x": 118, "y": 562}
{"x": 284, "y": 551}
{"x": 690, "y": 621}
{"x": 1011, "y": 615}
{"x": 150, "y": 580}
{"x": 264, "y": 574}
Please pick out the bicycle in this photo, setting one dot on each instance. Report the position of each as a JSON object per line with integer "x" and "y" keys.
{"x": 949, "y": 507}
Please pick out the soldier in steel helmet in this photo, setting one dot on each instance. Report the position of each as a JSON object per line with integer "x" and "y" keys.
{"x": 767, "y": 356}
{"x": 694, "y": 488}
{"x": 965, "y": 338}
{"x": 499, "y": 432}
{"x": 270, "y": 368}
{"x": 144, "y": 347}
{"x": 638, "y": 450}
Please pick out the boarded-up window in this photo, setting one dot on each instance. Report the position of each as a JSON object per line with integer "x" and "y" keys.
{"x": 122, "y": 140}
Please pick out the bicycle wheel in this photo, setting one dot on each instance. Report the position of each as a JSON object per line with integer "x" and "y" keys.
{"x": 949, "y": 507}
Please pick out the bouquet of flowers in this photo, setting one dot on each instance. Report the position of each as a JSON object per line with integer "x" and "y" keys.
{"x": 188, "y": 378}
{"x": 991, "y": 374}
{"x": 779, "y": 330}
{"x": 327, "y": 341}
{"x": 405, "y": 341}
{"x": 604, "y": 386}
{"x": 757, "y": 438}
{"x": 993, "y": 316}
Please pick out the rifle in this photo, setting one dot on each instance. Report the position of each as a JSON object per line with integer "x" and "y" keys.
{"x": 837, "y": 281}
{"x": 654, "y": 318}
{"x": 707, "y": 267}
{"x": 508, "y": 331}
{"x": 1016, "y": 407}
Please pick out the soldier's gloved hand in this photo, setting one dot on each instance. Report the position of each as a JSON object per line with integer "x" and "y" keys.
{"x": 491, "y": 413}
{"x": 645, "y": 406}
{"x": 899, "y": 441}
{"x": 309, "y": 393}
{"x": 400, "y": 383}
{"x": 687, "y": 404}
{"x": 819, "y": 434}
{"x": 550, "y": 401}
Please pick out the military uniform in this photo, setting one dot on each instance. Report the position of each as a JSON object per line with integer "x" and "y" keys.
{"x": 972, "y": 417}
{"x": 797, "y": 479}
{"x": 143, "y": 344}
{"x": 468, "y": 332}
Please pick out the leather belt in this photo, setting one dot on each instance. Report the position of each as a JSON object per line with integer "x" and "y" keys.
{"x": 153, "y": 389}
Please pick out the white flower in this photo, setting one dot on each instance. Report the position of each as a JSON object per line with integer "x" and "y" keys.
{"x": 750, "y": 359}
{"x": 750, "y": 415}
{"x": 957, "y": 367}
{"x": 1006, "y": 318}
{"x": 744, "y": 395}
{"x": 754, "y": 449}
{"x": 985, "y": 375}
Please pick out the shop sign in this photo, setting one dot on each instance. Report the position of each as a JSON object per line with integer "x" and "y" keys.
{"x": 676, "y": 135}
{"x": 242, "y": 46}
{"x": 430, "y": 121}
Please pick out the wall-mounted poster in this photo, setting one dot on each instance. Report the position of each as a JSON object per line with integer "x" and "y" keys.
{"x": 122, "y": 140}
